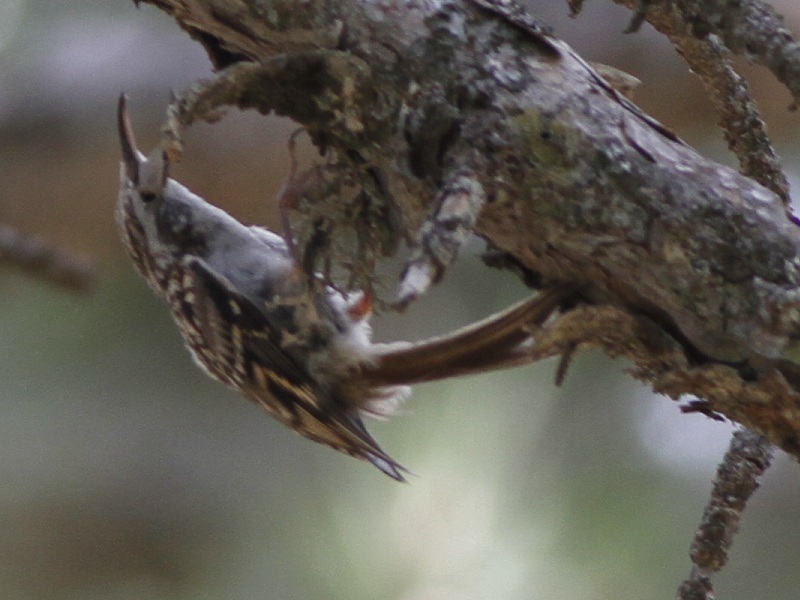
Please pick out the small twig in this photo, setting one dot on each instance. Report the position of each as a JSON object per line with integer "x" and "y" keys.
{"x": 36, "y": 257}
{"x": 564, "y": 362}
{"x": 745, "y": 131}
{"x": 639, "y": 17}
{"x": 697, "y": 587}
{"x": 204, "y": 101}
{"x": 749, "y": 456}
{"x": 442, "y": 235}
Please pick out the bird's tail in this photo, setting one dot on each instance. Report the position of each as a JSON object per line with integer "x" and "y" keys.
{"x": 497, "y": 342}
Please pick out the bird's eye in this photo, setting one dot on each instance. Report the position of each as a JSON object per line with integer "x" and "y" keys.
{"x": 147, "y": 197}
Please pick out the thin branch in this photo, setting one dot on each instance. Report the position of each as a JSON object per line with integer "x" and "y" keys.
{"x": 40, "y": 259}
{"x": 697, "y": 587}
{"x": 744, "y": 129}
{"x": 749, "y": 27}
{"x": 748, "y": 457}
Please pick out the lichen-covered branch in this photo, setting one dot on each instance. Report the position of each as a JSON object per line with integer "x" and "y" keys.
{"x": 748, "y": 457}
{"x": 444, "y": 116}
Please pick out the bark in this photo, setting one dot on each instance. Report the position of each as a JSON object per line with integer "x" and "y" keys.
{"x": 440, "y": 118}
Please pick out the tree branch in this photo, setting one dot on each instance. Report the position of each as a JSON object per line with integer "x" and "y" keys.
{"x": 748, "y": 457}
{"x": 38, "y": 258}
{"x": 441, "y": 118}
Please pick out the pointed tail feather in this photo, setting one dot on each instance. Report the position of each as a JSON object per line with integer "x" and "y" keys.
{"x": 494, "y": 343}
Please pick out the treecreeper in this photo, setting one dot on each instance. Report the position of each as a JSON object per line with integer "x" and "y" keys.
{"x": 256, "y": 321}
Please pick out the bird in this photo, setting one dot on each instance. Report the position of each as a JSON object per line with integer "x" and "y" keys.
{"x": 255, "y": 320}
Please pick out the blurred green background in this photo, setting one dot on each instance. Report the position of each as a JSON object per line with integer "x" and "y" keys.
{"x": 126, "y": 473}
